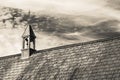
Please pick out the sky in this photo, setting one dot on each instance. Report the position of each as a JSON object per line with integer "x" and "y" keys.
{"x": 73, "y": 7}
{"x": 67, "y": 5}
{"x": 98, "y": 13}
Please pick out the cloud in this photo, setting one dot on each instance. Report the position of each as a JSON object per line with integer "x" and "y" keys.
{"x": 55, "y": 5}
{"x": 115, "y": 4}
{"x": 104, "y": 29}
{"x": 68, "y": 29}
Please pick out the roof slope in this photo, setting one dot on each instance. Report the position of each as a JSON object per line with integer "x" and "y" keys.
{"x": 95, "y": 60}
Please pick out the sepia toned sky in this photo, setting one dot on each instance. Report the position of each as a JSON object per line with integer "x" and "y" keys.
{"x": 67, "y": 5}
{"x": 99, "y": 13}
{"x": 75, "y": 7}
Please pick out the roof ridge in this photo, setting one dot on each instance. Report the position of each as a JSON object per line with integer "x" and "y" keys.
{"x": 70, "y": 45}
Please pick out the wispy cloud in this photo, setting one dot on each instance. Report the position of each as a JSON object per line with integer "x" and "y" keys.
{"x": 60, "y": 5}
{"x": 95, "y": 8}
